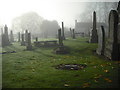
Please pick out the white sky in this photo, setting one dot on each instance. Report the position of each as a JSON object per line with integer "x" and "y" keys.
{"x": 60, "y": 10}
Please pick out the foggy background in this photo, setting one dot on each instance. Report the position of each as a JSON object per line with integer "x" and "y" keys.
{"x": 45, "y": 16}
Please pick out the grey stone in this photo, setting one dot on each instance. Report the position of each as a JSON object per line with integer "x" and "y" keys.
{"x": 63, "y": 35}
{"x": 11, "y": 36}
{"x": 22, "y": 40}
{"x": 94, "y": 35}
{"x": 19, "y": 37}
{"x": 28, "y": 43}
{"x": 101, "y": 41}
{"x": 73, "y": 34}
{"x": 111, "y": 45}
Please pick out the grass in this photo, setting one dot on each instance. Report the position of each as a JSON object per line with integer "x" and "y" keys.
{"x": 35, "y": 69}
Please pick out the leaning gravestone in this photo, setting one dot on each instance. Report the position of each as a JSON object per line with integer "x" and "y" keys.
{"x": 28, "y": 43}
{"x": 94, "y": 35}
{"x": 22, "y": 40}
{"x": 111, "y": 46}
{"x": 101, "y": 41}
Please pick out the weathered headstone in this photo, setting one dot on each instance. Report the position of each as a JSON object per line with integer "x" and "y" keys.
{"x": 73, "y": 34}
{"x": 11, "y": 36}
{"x": 28, "y": 43}
{"x": 70, "y": 32}
{"x": 22, "y": 40}
{"x": 36, "y": 39}
{"x": 94, "y": 35}
{"x": 101, "y": 41}
{"x": 1, "y": 36}
{"x": 60, "y": 38}
{"x": 61, "y": 49}
{"x": 26, "y": 36}
{"x": 118, "y": 9}
{"x": 63, "y": 35}
{"x": 5, "y": 38}
{"x": 19, "y": 37}
{"x": 111, "y": 46}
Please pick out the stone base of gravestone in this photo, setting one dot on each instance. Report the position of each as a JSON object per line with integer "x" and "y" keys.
{"x": 94, "y": 37}
{"x": 111, "y": 50}
{"x": 61, "y": 50}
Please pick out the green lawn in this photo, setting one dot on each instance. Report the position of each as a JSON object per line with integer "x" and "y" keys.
{"x": 35, "y": 69}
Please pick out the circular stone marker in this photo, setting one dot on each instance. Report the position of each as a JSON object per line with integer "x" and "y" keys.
{"x": 70, "y": 66}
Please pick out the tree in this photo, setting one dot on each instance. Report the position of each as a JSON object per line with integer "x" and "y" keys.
{"x": 30, "y": 21}
{"x": 49, "y": 28}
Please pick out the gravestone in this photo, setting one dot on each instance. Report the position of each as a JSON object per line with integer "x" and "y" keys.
{"x": 61, "y": 49}
{"x": 1, "y": 33}
{"x": 28, "y": 43}
{"x": 101, "y": 41}
{"x": 73, "y": 33}
{"x": 36, "y": 39}
{"x": 63, "y": 35}
{"x": 26, "y": 36}
{"x": 11, "y": 36}
{"x": 111, "y": 45}
{"x": 70, "y": 32}
{"x": 118, "y": 9}
{"x": 19, "y": 37}
{"x": 60, "y": 38}
{"x": 94, "y": 35}
{"x": 22, "y": 40}
{"x": 5, "y": 38}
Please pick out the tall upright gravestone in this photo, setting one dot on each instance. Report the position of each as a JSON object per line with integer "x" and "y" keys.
{"x": 5, "y": 38}
{"x": 28, "y": 43}
{"x": 19, "y": 37}
{"x": 70, "y": 32}
{"x": 73, "y": 33}
{"x": 26, "y": 36}
{"x": 63, "y": 34}
{"x": 22, "y": 40}
{"x": 94, "y": 35}
{"x": 11, "y": 36}
{"x": 111, "y": 45}
{"x": 101, "y": 41}
{"x": 118, "y": 9}
{"x": 60, "y": 38}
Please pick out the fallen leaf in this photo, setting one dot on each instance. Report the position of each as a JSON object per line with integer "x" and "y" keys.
{"x": 97, "y": 76}
{"x": 86, "y": 85}
{"x": 66, "y": 85}
{"x": 108, "y": 80}
{"x": 106, "y": 71}
{"x": 96, "y": 81}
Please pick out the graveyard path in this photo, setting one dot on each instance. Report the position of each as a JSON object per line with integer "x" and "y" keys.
{"x": 36, "y": 69}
